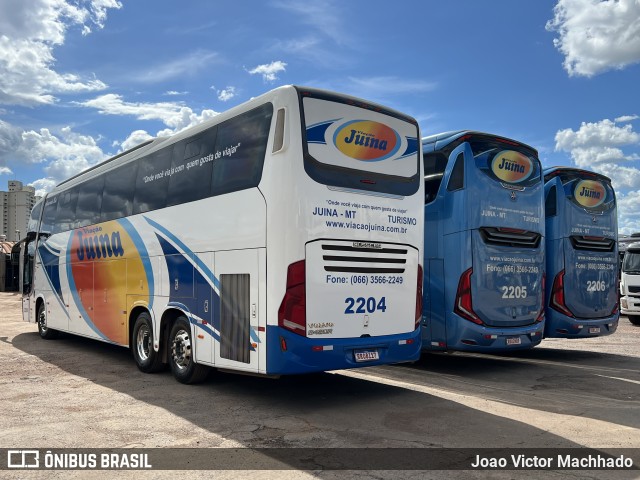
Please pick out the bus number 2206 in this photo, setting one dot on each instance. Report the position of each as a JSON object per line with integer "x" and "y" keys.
{"x": 365, "y": 305}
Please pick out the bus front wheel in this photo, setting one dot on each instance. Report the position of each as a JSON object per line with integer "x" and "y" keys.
{"x": 44, "y": 331}
{"x": 180, "y": 353}
{"x": 147, "y": 359}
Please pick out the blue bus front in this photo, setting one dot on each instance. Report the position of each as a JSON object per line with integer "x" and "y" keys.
{"x": 484, "y": 244}
{"x": 582, "y": 255}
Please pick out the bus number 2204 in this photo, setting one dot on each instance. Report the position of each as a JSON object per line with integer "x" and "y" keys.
{"x": 365, "y": 305}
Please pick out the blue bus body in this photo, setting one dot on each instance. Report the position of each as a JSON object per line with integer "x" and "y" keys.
{"x": 484, "y": 244}
{"x": 582, "y": 254}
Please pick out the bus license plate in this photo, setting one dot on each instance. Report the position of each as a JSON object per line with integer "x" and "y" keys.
{"x": 514, "y": 340}
{"x": 594, "y": 329}
{"x": 367, "y": 355}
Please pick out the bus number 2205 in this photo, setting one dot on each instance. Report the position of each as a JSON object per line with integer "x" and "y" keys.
{"x": 365, "y": 305}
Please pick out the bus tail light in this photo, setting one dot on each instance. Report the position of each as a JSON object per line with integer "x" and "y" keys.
{"x": 292, "y": 313}
{"x": 542, "y": 289}
{"x": 419, "y": 296}
{"x": 464, "y": 306}
{"x": 557, "y": 296}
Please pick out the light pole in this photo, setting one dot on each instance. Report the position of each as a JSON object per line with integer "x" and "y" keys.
{"x": 17, "y": 235}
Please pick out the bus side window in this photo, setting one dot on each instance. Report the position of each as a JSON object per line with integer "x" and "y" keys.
{"x": 456, "y": 180}
{"x": 119, "y": 188}
{"x": 66, "y": 212}
{"x": 49, "y": 215}
{"x": 434, "y": 165}
{"x": 242, "y": 143}
{"x": 550, "y": 202}
{"x": 89, "y": 202}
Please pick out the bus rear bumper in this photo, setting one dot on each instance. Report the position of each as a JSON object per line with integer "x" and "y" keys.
{"x": 469, "y": 337}
{"x": 289, "y": 353}
{"x": 562, "y": 326}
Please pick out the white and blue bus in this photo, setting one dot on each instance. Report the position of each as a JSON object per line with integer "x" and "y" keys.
{"x": 484, "y": 243}
{"x": 283, "y": 236}
{"x": 582, "y": 254}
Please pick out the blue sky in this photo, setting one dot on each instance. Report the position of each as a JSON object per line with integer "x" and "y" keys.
{"x": 82, "y": 80}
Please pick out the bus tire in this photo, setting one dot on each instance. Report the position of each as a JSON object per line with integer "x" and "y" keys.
{"x": 147, "y": 359}
{"x": 180, "y": 354}
{"x": 635, "y": 319}
{"x": 44, "y": 331}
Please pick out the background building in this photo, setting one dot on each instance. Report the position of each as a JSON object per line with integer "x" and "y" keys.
{"x": 16, "y": 205}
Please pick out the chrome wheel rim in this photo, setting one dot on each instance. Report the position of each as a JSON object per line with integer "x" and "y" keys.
{"x": 143, "y": 342}
{"x": 181, "y": 350}
{"x": 42, "y": 321}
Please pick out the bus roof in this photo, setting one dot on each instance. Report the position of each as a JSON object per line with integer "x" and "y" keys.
{"x": 553, "y": 171}
{"x": 445, "y": 138}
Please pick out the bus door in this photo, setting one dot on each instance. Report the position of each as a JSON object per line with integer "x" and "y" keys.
{"x": 241, "y": 324}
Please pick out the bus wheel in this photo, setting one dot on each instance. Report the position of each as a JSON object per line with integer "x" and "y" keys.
{"x": 147, "y": 359}
{"x": 44, "y": 331}
{"x": 180, "y": 353}
{"x": 635, "y": 319}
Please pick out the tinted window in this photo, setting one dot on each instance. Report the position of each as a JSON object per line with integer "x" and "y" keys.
{"x": 119, "y": 188}
{"x": 89, "y": 202}
{"x": 240, "y": 149}
{"x": 191, "y": 168}
{"x": 434, "y": 165}
{"x": 152, "y": 181}
{"x": 35, "y": 217}
{"x": 49, "y": 214}
{"x": 66, "y": 212}
{"x": 550, "y": 202}
{"x": 456, "y": 181}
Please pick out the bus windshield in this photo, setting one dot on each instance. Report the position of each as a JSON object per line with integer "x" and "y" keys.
{"x": 359, "y": 146}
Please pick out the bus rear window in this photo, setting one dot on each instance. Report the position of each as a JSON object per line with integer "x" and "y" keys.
{"x": 591, "y": 193}
{"x": 359, "y": 146}
{"x": 510, "y": 164}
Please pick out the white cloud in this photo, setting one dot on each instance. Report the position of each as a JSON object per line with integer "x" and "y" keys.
{"x": 626, "y": 118}
{"x": 596, "y": 36}
{"x": 173, "y": 114}
{"x": 604, "y": 133}
{"x": 135, "y": 138}
{"x": 5, "y": 171}
{"x": 174, "y": 93}
{"x": 226, "y": 94}
{"x": 43, "y": 185}
{"x": 31, "y": 29}
{"x": 612, "y": 150}
{"x": 269, "y": 70}
{"x": 628, "y": 212}
{"x": 70, "y": 147}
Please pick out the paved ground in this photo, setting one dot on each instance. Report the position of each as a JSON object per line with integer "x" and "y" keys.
{"x": 74, "y": 392}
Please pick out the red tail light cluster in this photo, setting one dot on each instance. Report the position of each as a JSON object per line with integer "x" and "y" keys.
{"x": 292, "y": 313}
{"x": 464, "y": 305}
{"x": 419, "y": 296}
{"x": 557, "y": 296}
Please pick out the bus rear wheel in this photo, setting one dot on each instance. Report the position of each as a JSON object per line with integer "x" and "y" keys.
{"x": 44, "y": 331}
{"x": 635, "y": 319}
{"x": 147, "y": 359}
{"x": 180, "y": 353}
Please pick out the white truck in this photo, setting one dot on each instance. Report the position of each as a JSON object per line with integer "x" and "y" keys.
{"x": 630, "y": 283}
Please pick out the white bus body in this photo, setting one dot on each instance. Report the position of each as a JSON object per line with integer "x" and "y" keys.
{"x": 283, "y": 236}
